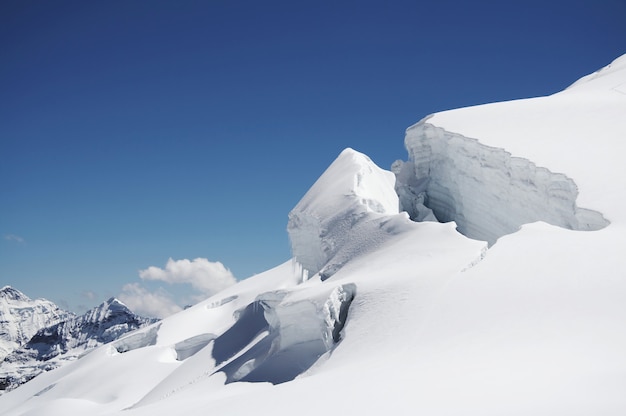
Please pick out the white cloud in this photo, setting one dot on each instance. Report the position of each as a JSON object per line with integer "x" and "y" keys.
{"x": 15, "y": 238}
{"x": 140, "y": 300}
{"x": 203, "y": 275}
{"x": 89, "y": 294}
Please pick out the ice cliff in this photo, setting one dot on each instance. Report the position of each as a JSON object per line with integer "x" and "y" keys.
{"x": 485, "y": 190}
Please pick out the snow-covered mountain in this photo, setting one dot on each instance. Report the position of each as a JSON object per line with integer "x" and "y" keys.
{"x": 513, "y": 304}
{"x": 54, "y": 345}
{"x": 21, "y": 317}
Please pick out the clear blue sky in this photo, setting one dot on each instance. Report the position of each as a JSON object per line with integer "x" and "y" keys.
{"x": 136, "y": 131}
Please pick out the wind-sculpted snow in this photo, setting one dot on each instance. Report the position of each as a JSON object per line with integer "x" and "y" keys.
{"x": 486, "y": 191}
{"x": 138, "y": 339}
{"x": 249, "y": 325}
{"x": 338, "y": 218}
{"x": 221, "y": 302}
{"x": 275, "y": 341}
{"x": 190, "y": 346}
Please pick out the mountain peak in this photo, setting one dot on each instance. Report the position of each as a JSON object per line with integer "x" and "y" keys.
{"x": 112, "y": 301}
{"x": 21, "y": 317}
{"x": 8, "y": 292}
{"x": 48, "y": 346}
{"x": 107, "y": 309}
{"x": 115, "y": 301}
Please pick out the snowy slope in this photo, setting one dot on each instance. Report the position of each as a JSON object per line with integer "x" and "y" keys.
{"x": 382, "y": 315}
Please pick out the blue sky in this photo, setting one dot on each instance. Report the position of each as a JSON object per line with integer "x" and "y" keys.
{"x": 132, "y": 132}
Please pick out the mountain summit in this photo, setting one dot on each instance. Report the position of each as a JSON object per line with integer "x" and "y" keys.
{"x": 9, "y": 293}
{"x": 21, "y": 317}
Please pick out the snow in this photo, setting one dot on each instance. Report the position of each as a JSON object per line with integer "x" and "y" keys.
{"x": 461, "y": 180}
{"x": 353, "y": 193}
{"x": 402, "y": 317}
{"x": 577, "y": 132}
{"x": 54, "y": 345}
{"x": 21, "y": 317}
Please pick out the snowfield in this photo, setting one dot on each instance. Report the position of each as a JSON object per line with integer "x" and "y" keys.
{"x": 519, "y": 311}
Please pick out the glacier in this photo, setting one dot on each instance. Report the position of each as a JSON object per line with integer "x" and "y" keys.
{"x": 482, "y": 276}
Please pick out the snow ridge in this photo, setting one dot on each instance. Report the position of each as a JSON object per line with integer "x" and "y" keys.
{"x": 100, "y": 325}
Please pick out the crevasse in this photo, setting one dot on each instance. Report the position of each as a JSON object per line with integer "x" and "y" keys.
{"x": 275, "y": 339}
{"x": 485, "y": 190}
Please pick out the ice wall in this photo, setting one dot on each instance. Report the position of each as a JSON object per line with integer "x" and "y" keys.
{"x": 486, "y": 191}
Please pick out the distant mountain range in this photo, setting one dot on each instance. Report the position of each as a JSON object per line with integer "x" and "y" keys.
{"x": 37, "y": 335}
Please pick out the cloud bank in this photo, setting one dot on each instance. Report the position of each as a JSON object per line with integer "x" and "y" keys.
{"x": 205, "y": 278}
{"x": 203, "y": 275}
{"x": 143, "y": 302}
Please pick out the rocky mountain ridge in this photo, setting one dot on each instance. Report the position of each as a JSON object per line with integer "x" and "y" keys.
{"x": 21, "y": 317}
{"x": 64, "y": 339}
